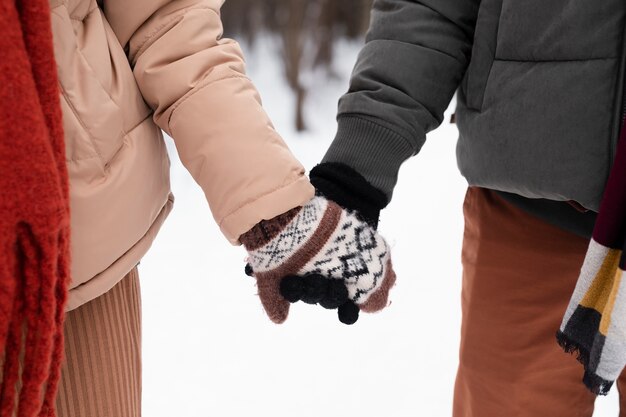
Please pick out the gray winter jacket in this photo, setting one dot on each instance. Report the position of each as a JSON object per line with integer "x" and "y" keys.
{"x": 540, "y": 92}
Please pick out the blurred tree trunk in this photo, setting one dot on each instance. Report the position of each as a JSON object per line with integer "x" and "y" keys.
{"x": 293, "y": 40}
{"x": 308, "y": 31}
{"x": 325, "y": 36}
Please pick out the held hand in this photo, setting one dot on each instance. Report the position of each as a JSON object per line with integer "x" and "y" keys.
{"x": 319, "y": 254}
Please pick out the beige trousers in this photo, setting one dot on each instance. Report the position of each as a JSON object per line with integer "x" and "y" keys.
{"x": 101, "y": 375}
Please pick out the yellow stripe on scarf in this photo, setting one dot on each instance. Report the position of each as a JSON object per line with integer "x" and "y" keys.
{"x": 608, "y": 309}
{"x": 601, "y": 294}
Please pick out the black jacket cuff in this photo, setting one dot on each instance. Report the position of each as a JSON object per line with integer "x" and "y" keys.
{"x": 345, "y": 186}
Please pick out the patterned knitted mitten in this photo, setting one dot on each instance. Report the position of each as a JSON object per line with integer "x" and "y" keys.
{"x": 319, "y": 254}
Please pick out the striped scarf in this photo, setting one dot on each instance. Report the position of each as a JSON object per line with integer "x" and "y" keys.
{"x": 34, "y": 212}
{"x": 594, "y": 325}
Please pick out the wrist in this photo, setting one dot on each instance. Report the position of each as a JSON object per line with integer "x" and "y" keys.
{"x": 349, "y": 189}
{"x": 266, "y": 230}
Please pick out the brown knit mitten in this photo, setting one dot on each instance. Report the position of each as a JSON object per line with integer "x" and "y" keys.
{"x": 319, "y": 254}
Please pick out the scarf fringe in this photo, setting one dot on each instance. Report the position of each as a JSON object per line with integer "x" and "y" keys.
{"x": 574, "y": 348}
{"x": 36, "y": 325}
{"x": 595, "y": 384}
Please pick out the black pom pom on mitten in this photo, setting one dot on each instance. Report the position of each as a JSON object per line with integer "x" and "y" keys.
{"x": 348, "y": 313}
{"x": 314, "y": 289}
{"x": 291, "y": 288}
{"x": 336, "y": 295}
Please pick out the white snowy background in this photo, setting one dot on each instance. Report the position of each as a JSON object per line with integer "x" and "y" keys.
{"x": 209, "y": 349}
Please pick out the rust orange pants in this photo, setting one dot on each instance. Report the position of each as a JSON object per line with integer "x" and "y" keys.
{"x": 518, "y": 276}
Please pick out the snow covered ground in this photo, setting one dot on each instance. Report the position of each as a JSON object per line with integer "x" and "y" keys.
{"x": 209, "y": 349}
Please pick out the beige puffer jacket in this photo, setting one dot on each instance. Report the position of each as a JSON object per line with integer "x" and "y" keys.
{"x": 128, "y": 69}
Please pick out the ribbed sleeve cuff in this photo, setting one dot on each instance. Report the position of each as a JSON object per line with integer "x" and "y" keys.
{"x": 346, "y": 187}
{"x": 373, "y": 150}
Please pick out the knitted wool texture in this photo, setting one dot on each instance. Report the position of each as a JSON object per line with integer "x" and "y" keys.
{"x": 345, "y": 186}
{"x": 34, "y": 212}
{"x": 594, "y": 325}
{"x": 320, "y": 239}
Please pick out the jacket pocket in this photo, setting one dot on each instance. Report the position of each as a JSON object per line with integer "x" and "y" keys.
{"x": 483, "y": 52}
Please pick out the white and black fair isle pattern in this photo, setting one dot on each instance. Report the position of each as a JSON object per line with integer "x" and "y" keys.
{"x": 354, "y": 253}
{"x": 290, "y": 239}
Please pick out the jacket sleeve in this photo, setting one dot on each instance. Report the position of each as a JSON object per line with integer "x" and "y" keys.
{"x": 414, "y": 58}
{"x": 195, "y": 82}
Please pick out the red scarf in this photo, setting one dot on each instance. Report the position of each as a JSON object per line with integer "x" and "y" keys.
{"x": 34, "y": 212}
